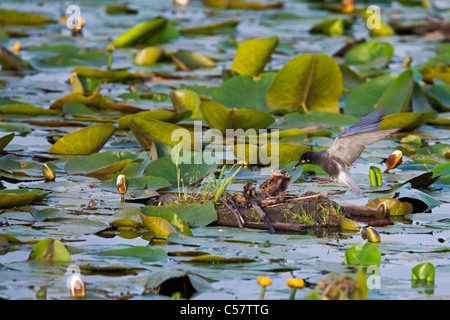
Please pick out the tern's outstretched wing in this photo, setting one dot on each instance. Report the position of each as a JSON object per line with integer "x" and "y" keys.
{"x": 350, "y": 143}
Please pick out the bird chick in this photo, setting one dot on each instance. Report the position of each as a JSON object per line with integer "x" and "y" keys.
{"x": 249, "y": 191}
{"x": 271, "y": 186}
{"x": 284, "y": 182}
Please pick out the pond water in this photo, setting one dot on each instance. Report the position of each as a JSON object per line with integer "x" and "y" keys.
{"x": 419, "y": 237}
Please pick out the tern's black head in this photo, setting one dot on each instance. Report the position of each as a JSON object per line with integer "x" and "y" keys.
{"x": 306, "y": 158}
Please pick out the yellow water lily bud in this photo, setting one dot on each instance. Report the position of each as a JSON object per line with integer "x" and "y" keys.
{"x": 122, "y": 186}
{"x": 264, "y": 281}
{"x": 394, "y": 160}
{"x": 382, "y": 211}
{"x": 16, "y": 48}
{"x": 110, "y": 47}
{"x": 181, "y": 3}
{"x": 77, "y": 288}
{"x": 48, "y": 173}
{"x": 295, "y": 283}
{"x": 370, "y": 234}
{"x": 348, "y": 6}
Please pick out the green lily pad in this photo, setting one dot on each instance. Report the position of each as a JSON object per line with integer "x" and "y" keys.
{"x": 395, "y": 206}
{"x": 11, "y": 61}
{"x": 308, "y": 82}
{"x": 363, "y": 254}
{"x": 252, "y": 56}
{"x": 208, "y": 259}
{"x": 159, "y": 227}
{"x": 219, "y": 117}
{"x": 269, "y": 154}
{"x": 158, "y": 114}
{"x": 147, "y": 131}
{"x": 370, "y": 54}
{"x": 119, "y": 75}
{"x": 145, "y": 253}
{"x": 83, "y": 141}
{"x": 101, "y": 164}
{"x": 440, "y": 94}
{"x": 332, "y": 27}
{"x": 19, "y": 18}
{"x": 155, "y": 31}
{"x": 166, "y": 213}
{"x": 421, "y": 201}
{"x": 26, "y": 109}
{"x": 5, "y": 140}
{"x": 381, "y": 92}
{"x": 245, "y": 91}
{"x": 148, "y": 56}
{"x": 444, "y": 170}
{"x": 407, "y": 120}
{"x": 20, "y": 197}
{"x": 195, "y": 214}
{"x": 50, "y": 250}
{"x": 184, "y": 99}
{"x": 186, "y": 60}
{"x": 190, "y": 172}
{"x": 213, "y": 28}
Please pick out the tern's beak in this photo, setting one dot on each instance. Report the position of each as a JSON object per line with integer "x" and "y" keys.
{"x": 299, "y": 163}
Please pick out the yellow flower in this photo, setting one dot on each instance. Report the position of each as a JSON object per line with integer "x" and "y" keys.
{"x": 110, "y": 47}
{"x": 295, "y": 283}
{"x": 122, "y": 186}
{"x": 48, "y": 173}
{"x": 264, "y": 281}
{"x": 394, "y": 160}
{"x": 16, "y": 48}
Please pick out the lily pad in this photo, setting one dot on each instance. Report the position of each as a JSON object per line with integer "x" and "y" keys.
{"x": 395, "y": 206}
{"x": 157, "y": 30}
{"x": 332, "y": 27}
{"x": 145, "y": 253}
{"x": 20, "y": 197}
{"x": 5, "y": 140}
{"x": 195, "y": 214}
{"x": 308, "y": 82}
{"x": 11, "y": 61}
{"x": 213, "y": 28}
{"x": 158, "y": 114}
{"x": 184, "y": 99}
{"x": 148, "y": 56}
{"x": 186, "y": 60}
{"x": 252, "y": 56}
{"x": 50, "y": 250}
{"x": 166, "y": 213}
{"x": 147, "y": 131}
{"x": 159, "y": 227}
{"x": 191, "y": 171}
{"x": 83, "y": 141}
{"x": 363, "y": 254}
{"x": 220, "y": 117}
{"x": 20, "y": 18}
{"x": 245, "y": 91}
{"x": 440, "y": 94}
{"x": 26, "y": 109}
{"x": 379, "y": 92}
{"x": 370, "y": 54}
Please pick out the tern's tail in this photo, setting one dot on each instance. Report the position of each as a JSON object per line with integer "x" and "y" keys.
{"x": 346, "y": 179}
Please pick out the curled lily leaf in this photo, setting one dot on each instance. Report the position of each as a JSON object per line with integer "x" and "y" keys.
{"x": 394, "y": 160}
{"x": 375, "y": 177}
{"x": 122, "y": 186}
{"x": 48, "y": 173}
{"x": 370, "y": 234}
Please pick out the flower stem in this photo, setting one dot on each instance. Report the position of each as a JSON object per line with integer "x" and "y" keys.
{"x": 263, "y": 291}
{"x": 293, "y": 291}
